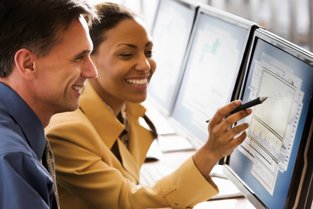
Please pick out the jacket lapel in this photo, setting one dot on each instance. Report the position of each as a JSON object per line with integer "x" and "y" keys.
{"x": 138, "y": 130}
{"x": 109, "y": 128}
{"x": 129, "y": 162}
{"x": 101, "y": 116}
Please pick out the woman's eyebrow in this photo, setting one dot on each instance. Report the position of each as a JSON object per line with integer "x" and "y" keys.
{"x": 126, "y": 44}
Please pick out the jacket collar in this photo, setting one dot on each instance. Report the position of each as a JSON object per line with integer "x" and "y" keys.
{"x": 102, "y": 117}
{"x": 30, "y": 127}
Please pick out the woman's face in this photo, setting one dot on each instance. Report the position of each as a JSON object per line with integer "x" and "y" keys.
{"x": 124, "y": 63}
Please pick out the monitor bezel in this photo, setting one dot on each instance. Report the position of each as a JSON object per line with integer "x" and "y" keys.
{"x": 188, "y": 3}
{"x": 301, "y": 165}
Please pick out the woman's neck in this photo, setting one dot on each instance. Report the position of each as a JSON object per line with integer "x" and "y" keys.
{"x": 115, "y": 104}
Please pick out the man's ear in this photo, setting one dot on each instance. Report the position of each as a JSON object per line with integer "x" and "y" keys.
{"x": 25, "y": 63}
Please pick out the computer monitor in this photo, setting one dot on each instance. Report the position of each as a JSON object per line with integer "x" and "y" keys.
{"x": 213, "y": 67}
{"x": 171, "y": 33}
{"x": 149, "y": 12}
{"x": 271, "y": 166}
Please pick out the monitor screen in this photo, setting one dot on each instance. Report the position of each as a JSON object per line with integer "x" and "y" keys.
{"x": 171, "y": 33}
{"x": 149, "y": 12}
{"x": 212, "y": 69}
{"x": 271, "y": 163}
{"x": 134, "y": 5}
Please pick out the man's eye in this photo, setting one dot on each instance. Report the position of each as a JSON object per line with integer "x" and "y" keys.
{"x": 79, "y": 58}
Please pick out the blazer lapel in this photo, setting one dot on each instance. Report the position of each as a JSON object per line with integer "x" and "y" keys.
{"x": 139, "y": 130}
{"x": 101, "y": 116}
{"x": 129, "y": 163}
{"x": 109, "y": 128}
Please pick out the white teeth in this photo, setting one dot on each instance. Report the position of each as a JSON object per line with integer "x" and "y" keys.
{"x": 137, "y": 81}
{"x": 79, "y": 88}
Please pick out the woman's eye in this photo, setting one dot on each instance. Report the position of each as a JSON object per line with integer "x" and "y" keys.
{"x": 149, "y": 54}
{"x": 125, "y": 55}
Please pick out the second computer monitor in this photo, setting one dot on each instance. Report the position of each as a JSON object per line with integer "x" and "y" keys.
{"x": 273, "y": 165}
{"x": 212, "y": 69}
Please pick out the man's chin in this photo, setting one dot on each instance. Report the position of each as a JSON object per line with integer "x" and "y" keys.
{"x": 73, "y": 107}
{"x": 69, "y": 108}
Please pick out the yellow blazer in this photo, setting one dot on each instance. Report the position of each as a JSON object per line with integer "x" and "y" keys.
{"x": 90, "y": 176}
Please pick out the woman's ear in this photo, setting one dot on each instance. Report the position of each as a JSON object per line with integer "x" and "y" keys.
{"x": 25, "y": 63}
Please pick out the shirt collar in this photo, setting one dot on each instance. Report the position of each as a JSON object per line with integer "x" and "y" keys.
{"x": 25, "y": 118}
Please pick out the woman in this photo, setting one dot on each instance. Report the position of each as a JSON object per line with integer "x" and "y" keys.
{"x": 104, "y": 142}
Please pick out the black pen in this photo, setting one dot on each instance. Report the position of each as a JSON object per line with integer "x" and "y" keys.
{"x": 246, "y": 105}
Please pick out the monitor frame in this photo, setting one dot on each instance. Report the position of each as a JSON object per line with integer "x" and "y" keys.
{"x": 300, "y": 175}
{"x": 150, "y": 22}
{"x": 306, "y": 199}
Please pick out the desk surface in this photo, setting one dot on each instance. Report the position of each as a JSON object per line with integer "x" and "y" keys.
{"x": 172, "y": 160}
{"x": 241, "y": 203}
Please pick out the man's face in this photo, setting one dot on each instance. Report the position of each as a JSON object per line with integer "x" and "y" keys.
{"x": 61, "y": 74}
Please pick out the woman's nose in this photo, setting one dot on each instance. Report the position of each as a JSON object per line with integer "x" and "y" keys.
{"x": 143, "y": 64}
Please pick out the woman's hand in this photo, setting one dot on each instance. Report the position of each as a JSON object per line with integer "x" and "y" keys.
{"x": 223, "y": 137}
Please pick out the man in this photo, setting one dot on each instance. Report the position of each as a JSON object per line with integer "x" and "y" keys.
{"x": 44, "y": 61}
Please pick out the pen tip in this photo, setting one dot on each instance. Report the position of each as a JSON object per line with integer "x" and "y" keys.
{"x": 262, "y": 99}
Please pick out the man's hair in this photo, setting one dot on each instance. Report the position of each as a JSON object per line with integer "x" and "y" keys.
{"x": 110, "y": 15}
{"x": 35, "y": 25}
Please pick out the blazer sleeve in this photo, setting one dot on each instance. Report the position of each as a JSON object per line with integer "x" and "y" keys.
{"x": 85, "y": 167}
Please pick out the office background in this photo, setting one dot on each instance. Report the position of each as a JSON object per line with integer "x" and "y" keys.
{"x": 290, "y": 19}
